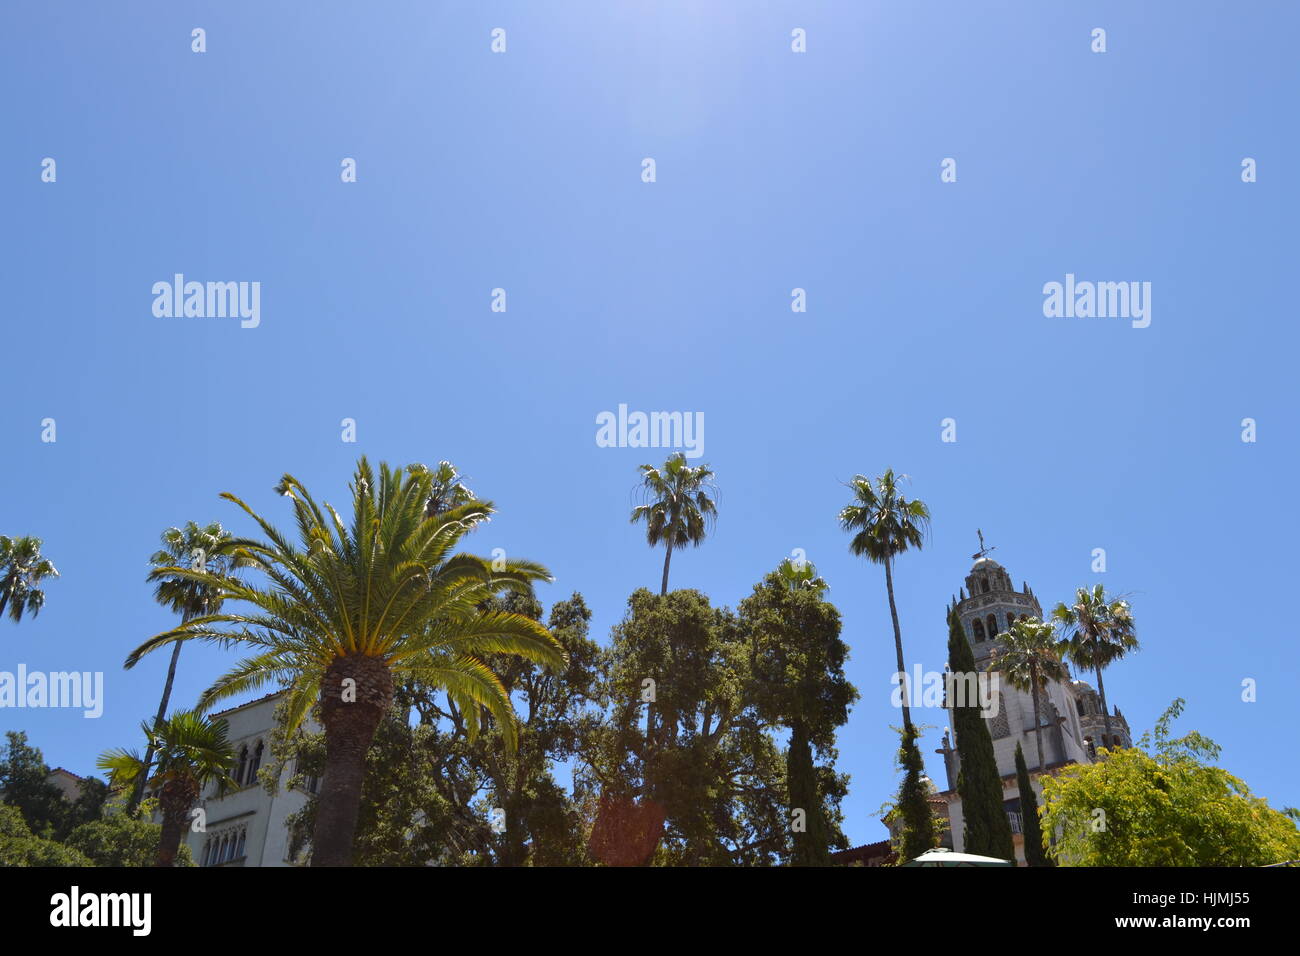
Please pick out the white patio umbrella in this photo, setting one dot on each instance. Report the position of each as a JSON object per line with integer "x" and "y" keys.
{"x": 941, "y": 856}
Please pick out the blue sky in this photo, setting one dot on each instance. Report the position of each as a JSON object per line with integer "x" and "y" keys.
{"x": 775, "y": 170}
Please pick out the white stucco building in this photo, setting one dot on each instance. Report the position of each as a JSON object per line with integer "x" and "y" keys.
{"x": 246, "y": 827}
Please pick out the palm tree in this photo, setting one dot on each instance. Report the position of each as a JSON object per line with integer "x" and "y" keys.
{"x": 1029, "y": 658}
{"x": 22, "y": 568}
{"x": 351, "y": 608}
{"x": 448, "y": 491}
{"x": 680, "y": 506}
{"x": 800, "y": 576}
{"x": 1096, "y": 631}
{"x": 886, "y": 523}
{"x": 199, "y": 548}
{"x": 192, "y": 751}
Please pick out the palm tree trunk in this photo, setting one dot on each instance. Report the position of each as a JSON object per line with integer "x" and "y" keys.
{"x": 356, "y": 692}
{"x": 170, "y": 843}
{"x": 1038, "y": 725}
{"x": 898, "y": 645}
{"x": 174, "y": 800}
{"x": 137, "y": 794}
{"x": 1101, "y": 692}
{"x": 668, "y": 558}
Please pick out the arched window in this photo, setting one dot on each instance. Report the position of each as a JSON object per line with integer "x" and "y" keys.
{"x": 993, "y": 627}
{"x": 1011, "y": 621}
{"x": 978, "y": 629}
{"x": 254, "y": 765}
{"x": 243, "y": 764}
{"x": 984, "y": 585}
{"x": 207, "y": 853}
{"x": 239, "y": 847}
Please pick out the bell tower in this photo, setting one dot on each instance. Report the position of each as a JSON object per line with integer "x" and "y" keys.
{"x": 992, "y": 604}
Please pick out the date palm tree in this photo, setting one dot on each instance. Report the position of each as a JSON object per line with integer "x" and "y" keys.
{"x": 198, "y": 548}
{"x": 886, "y": 523}
{"x": 1029, "y": 657}
{"x": 1096, "y": 631}
{"x": 350, "y": 608}
{"x": 22, "y": 568}
{"x": 192, "y": 751}
{"x": 680, "y": 506}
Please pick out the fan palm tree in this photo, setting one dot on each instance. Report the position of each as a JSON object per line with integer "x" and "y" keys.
{"x": 351, "y": 607}
{"x": 680, "y": 506}
{"x": 1029, "y": 657}
{"x": 22, "y": 568}
{"x": 200, "y": 548}
{"x": 886, "y": 524}
{"x": 192, "y": 751}
{"x": 800, "y": 576}
{"x": 448, "y": 490}
{"x": 1096, "y": 631}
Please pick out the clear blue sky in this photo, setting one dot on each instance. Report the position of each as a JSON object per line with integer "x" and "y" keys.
{"x": 775, "y": 171}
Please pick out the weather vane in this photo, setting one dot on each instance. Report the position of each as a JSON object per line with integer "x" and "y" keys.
{"x": 983, "y": 550}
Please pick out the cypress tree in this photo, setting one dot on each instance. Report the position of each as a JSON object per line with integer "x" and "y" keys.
{"x": 920, "y": 832}
{"x": 987, "y": 830}
{"x": 1033, "y": 833}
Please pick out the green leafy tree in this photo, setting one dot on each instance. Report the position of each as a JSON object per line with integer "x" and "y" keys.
{"x": 797, "y": 661}
{"x": 986, "y": 829}
{"x": 1028, "y": 656}
{"x": 22, "y": 569}
{"x": 1096, "y": 631}
{"x": 351, "y": 608}
{"x": 191, "y": 751}
{"x": 1030, "y": 829}
{"x": 122, "y": 840}
{"x": 20, "y": 847}
{"x": 197, "y": 548}
{"x": 680, "y": 506}
{"x": 1163, "y": 805}
{"x": 703, "y": 784}
{"x": 886, "y": 523}
{"x": 918, "y": 829}
{"x": 25, "y": 785}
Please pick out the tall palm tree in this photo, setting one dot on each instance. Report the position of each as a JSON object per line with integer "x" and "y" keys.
{"x": 192, "y": 751}
{"x": 886, "y": 524}
{"x": 351, "y": 607}
{"x": 1096, "y": 631}
{"x": 22, "y": 568}
{"x": 680, "y": 506}
{"x": 1029, "y": 658}
{"x": 194, "y": 547}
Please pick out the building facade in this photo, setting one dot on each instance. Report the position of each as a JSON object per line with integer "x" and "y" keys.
{"x": 1073, "y": 725}
{"x": 247, "y": 826}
